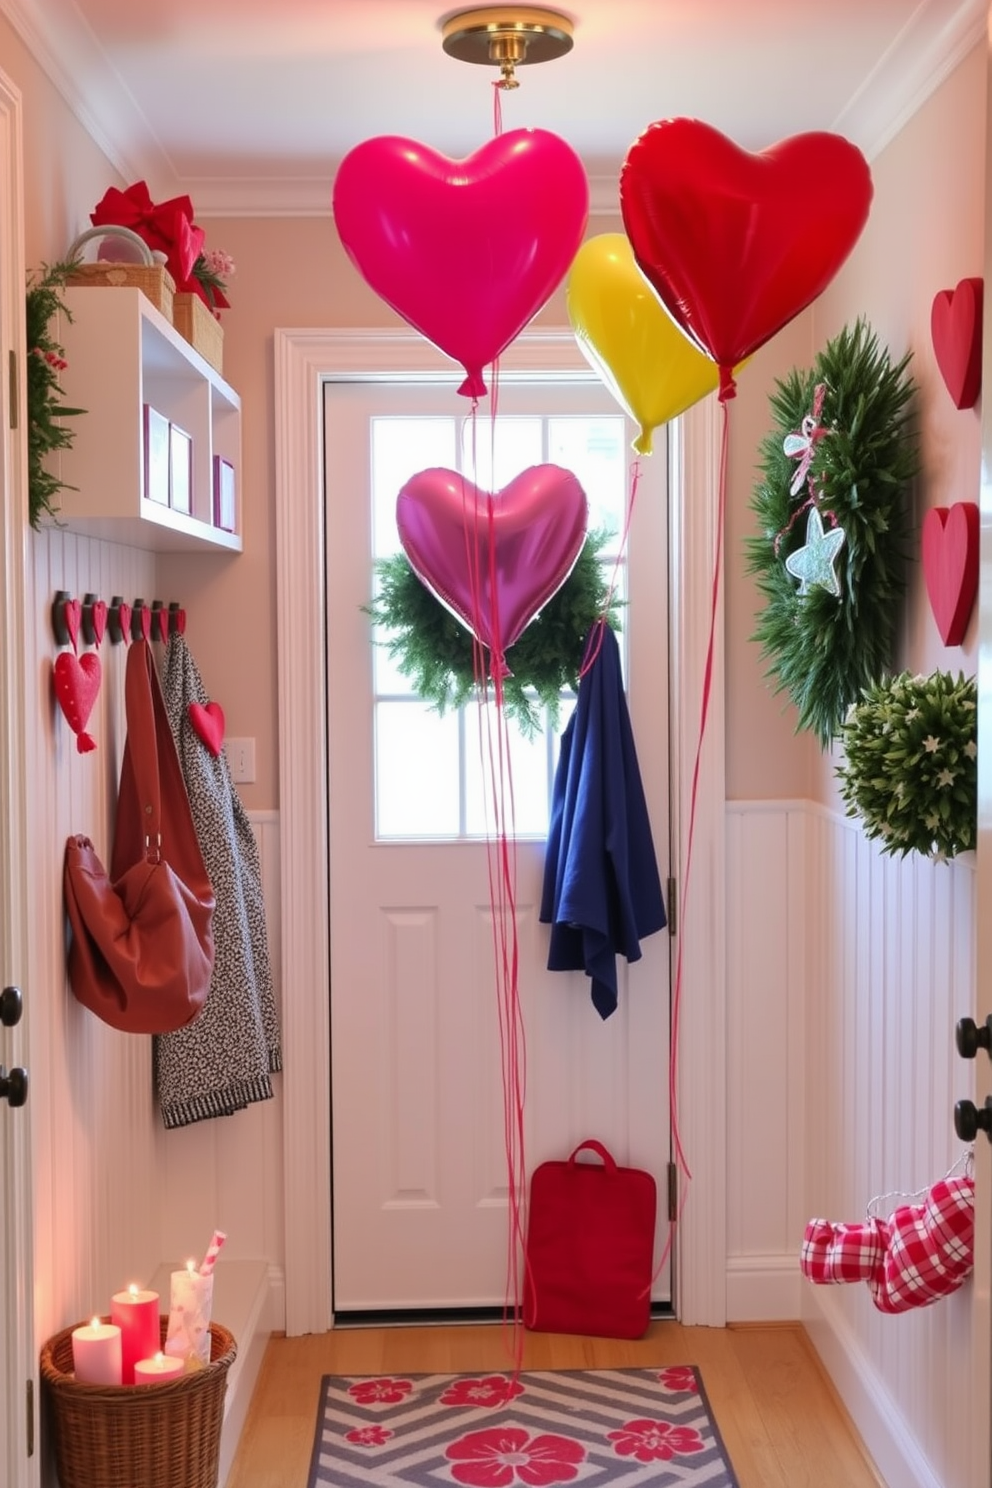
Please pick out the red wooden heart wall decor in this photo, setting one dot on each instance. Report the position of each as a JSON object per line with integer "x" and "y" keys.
{"x": 956, "y": 333}
{"x": 950, "y": 566}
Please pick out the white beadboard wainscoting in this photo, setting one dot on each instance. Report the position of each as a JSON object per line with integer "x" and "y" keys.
{"x": 846, "y": 974}
{"x": 116, "y": 1198}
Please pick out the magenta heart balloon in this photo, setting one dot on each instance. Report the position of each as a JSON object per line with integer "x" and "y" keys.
{"x": 467, "y": 251}
{"x": 494, "y": 560}
{"x": 735, "y": 244}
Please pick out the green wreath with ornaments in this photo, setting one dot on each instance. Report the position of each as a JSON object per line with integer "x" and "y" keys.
{"x": 432, "y": 648}
{"x": 910, "y": 767}
{"x": 832, "y": 510}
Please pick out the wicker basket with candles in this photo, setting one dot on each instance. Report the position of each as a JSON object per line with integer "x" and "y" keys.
{"x": 159, "y": 1435}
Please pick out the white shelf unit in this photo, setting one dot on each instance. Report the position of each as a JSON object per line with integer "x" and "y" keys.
{"x": 122, "y": 353}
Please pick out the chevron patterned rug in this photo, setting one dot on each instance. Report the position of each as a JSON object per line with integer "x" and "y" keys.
{"x": 605, "y": 1428}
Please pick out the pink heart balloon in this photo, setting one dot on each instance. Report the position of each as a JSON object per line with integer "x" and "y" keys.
{"x": 467, "y": 251}
{"x": 735, "y": 244}
{"x": 494, "y": 560}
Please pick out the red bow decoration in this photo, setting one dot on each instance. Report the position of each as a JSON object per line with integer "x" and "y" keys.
{"x": 169, "y": 227}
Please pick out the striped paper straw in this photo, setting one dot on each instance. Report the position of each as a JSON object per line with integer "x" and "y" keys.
{"x": 213, "y": 1250}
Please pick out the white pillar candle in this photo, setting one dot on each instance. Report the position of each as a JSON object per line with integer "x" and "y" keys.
{"x": 96, "y": 1353}
{"x": 158, "y": 1369}
{"x": 191, "y": 1301}
{"x": 136, "y": 1314}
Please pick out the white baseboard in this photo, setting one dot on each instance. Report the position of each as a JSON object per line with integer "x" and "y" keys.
{"x": 763, "y": 1288}
{"x": 887, "y": 1435}
{"x": 243, "y": 1302}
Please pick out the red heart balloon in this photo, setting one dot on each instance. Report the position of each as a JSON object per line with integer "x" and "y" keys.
{"x": 950, "y": 544}
{"x": 526, "y": 537}
{"x": 208, "y": 724}
{"x": 736, "y": 244}
{"x": 467, "y": 251}
{"x": 956, "y": 333}
{"x": 77, "y": 682}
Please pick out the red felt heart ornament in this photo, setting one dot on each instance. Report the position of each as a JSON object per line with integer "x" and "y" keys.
{"x": 77, "y": 682}
{"x": 736, "y": 244}
{"x": 123, "y": 622}
{"x": 208, "y": 724}
{"x": 72, "y": 614}
{"x": 98, "y": 619}
{"x": 950, "y": 566}
{"x": 956, "y": 333}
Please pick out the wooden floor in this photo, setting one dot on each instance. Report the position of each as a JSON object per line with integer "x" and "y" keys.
{"x": 780, "y": 1419}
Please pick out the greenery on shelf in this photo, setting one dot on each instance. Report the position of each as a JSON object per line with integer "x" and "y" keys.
{"x": 851, "y": 414}
{"x": 438, "y": 654}
{"x": 910, "y": 769}
{"x": 45, "y": 408}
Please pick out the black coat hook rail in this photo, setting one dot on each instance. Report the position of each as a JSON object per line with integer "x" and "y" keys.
{"x": 92, "y": 617}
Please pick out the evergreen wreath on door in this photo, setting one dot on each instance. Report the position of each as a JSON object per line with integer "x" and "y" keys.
{"x": 832, "y": 511}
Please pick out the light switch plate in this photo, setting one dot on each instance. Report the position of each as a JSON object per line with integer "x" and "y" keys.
{"x": 241, "y": 758}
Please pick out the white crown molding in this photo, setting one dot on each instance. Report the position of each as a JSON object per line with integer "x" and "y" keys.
{"x": 926, "y": 52}
{"x": 931, "y": 45}
{"x": 71, "y": 57}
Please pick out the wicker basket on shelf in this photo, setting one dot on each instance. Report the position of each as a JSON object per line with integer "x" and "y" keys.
{"x": 149, "y": 275}
{"x": 204, "y": 332}
{"x": 138, "y": 1436}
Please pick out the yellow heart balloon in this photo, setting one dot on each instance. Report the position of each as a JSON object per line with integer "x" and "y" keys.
{"x": 649, "y": 365}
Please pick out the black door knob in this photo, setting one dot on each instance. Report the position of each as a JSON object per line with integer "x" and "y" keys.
{"x": 970, "y": 1119}
{"x": 14, "y": 1087}
{"x": 971, "y": 1036}
{"x": 11, "y": 1006}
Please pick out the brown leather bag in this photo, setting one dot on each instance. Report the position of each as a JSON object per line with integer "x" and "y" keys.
{"x": 141, "y": 953}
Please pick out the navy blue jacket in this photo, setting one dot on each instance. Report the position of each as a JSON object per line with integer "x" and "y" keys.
{"x": 602, "y": 893}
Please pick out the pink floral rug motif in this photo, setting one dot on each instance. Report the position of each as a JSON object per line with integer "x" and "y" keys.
{"x": 604, "y": 1428}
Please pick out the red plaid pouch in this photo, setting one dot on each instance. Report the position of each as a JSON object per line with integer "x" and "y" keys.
{"x": 930, "y": 1250}
{"x": 842, "y": 1252}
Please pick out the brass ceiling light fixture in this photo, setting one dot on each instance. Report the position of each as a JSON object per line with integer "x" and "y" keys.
{"x": 507, "y": 37}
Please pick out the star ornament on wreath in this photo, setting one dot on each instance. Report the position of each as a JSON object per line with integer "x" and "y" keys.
{"x": 814, "y": 564}
{"x": 848, "y": 422}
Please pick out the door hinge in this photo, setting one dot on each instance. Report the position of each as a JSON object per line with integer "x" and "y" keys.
{"x": 12, "y": 385}
{"x": 673, "y": 1192}
{"x": 30, "y": 1420}
{"x": 671, "y": 904}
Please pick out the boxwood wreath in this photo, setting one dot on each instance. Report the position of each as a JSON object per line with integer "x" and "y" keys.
{"x": 437, "y": 653}
{"x": 910, "y": 769}
{"x": 831, "y": 505}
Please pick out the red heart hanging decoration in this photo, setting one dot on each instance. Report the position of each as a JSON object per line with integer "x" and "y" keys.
{"x": 77, "y": 682}
{"x": 467, "y": 251}
{"x": 208, "y": 724}
{"x": 736, "y": 244}
{"x": 950, "y": 566}
{"x": 956, "y": 333}
{"x": 123, "y": 624}
{"x": 98, "y": 620}
{"x": 527, "y": 537}
{"x": 162, "y": 618}
{"x": 72, "y": 614}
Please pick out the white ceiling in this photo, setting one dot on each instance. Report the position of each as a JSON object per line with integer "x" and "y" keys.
{"x": 249, "y": 104}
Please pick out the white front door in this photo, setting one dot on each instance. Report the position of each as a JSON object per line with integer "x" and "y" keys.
{"x": 420, "y": 1170}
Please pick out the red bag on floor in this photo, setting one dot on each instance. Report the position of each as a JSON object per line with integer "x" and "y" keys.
{"x": 590, "y": 1247}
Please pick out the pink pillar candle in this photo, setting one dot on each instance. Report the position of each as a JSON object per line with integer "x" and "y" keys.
{"x": 136, "y": 1314}
{"x": 96, "y": 1353}
{"x": 157, "y": 1370}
